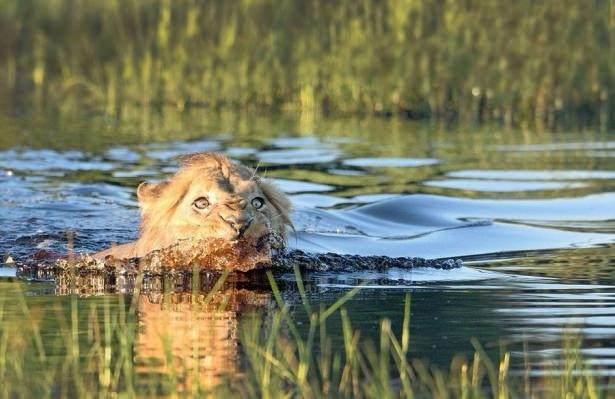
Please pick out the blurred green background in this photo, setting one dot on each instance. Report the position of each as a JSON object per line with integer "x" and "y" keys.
{"x": 520, "y": 63}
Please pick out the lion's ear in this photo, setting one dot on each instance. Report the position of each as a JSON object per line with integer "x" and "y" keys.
{"x": 149, "y": 191}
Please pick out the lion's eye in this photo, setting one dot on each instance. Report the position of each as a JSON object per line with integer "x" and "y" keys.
{"x": 201, "y": 203}
{"x": 258, "y": 202}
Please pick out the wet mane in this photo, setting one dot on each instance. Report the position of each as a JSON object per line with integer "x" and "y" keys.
{"x": 159, "y": 201}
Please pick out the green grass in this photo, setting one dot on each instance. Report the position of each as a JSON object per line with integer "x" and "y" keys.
{"x": 537, "y": 62}
{"x": 96, "y": 355}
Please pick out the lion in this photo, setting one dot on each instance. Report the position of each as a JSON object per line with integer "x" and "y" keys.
{"x": 210, "y": 199}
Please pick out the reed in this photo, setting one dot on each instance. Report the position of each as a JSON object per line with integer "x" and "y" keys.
{"x": 523, "y": 62}
{"x": 280, "y": 358}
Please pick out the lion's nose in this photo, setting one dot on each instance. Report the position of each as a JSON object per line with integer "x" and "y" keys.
{"x": 240, "y": 225}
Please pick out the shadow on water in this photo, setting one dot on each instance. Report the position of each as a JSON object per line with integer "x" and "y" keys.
{"x": 532, "y": 215}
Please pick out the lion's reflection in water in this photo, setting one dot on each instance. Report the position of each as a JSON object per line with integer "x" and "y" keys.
{"x": 187, "y": 329}
{"x": 191, "y": 336}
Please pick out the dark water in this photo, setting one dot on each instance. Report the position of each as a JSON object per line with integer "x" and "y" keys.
{"x": 532, "y": 214}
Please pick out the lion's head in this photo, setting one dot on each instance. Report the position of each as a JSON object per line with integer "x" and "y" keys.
{"x": 210, "y": 197}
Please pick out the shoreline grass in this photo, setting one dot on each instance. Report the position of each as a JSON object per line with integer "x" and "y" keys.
{"x": 104, "y": 354}
{"x": 519, "y": 63}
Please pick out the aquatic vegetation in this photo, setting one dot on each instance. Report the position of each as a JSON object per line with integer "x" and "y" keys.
{"x": 140, "y": 348}
{"x": 521, "y": 62}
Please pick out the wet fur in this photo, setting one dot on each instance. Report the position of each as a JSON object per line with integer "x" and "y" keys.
{"x": 166, "y": 216}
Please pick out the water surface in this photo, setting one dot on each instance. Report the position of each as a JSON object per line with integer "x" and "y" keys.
{"x": 532, "y": 214}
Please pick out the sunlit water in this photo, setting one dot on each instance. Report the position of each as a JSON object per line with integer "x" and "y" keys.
{"x": 533, "y": 215}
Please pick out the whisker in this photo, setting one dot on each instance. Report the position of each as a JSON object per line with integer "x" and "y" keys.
{"x": 255, "y": 170}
